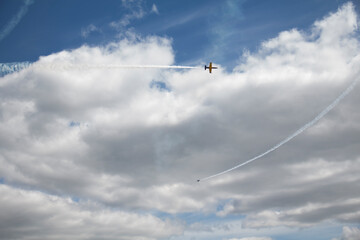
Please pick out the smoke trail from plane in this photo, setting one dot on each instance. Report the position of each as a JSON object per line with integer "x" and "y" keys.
{"x": 299, "y": 131}
{"x": 113, "y": 66}
{"x": 16, "y": 19}
{"x": 7, "y": 68}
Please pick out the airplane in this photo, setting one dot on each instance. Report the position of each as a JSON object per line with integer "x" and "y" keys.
{"x": 210, "y": 67}
{"x": 198, "y": 180}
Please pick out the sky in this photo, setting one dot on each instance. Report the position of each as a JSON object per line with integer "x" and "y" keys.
{"x": 88, "y": 151}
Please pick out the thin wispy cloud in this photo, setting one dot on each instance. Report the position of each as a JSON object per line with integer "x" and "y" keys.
{"x": 224, "y": 26}
{"x": 154, "y": 9}
{"x": 15, "y": 20}
{"x": 135, "y": 11}
{"x": 85, "y": 32}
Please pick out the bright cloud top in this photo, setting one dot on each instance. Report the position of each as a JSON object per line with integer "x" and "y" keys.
{"x": 137, "y": 139}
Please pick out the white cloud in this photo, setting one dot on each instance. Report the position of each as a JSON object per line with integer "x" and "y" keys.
{"x": 105, "y": 135}
{"x": 306, "y": 58}
{"x": 24, "y": 215}
{"x": 349, "y": 233}
{"x": 337, "y": 25}
{"x": 310, "y": 179}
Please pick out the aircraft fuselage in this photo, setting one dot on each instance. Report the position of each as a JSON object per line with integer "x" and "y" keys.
{"x": 210, "y": 67}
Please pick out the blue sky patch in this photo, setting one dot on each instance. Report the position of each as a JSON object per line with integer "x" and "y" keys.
{"x": 159, "y": 85}
{"x": 74, "y": 124}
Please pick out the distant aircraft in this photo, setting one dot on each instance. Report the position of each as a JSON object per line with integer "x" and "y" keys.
{"x": 210, "y": 67}
{"x": 198, "y": 180}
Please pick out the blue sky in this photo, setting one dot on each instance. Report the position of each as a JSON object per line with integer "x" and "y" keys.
{"x": 113, "y": 153}
{"x": 201, "y": 31}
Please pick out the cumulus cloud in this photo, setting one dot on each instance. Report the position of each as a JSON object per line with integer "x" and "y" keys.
{"x": 349, "y": 233}
{"x": 109, "y": 136}
{"x": 25, "y": 214}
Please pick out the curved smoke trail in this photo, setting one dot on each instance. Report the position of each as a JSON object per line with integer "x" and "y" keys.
{"x": 16, "y": 19}
{"x": 302, "y": 129}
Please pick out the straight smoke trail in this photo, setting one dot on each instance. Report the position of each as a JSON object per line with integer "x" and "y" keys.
{"x": 7, "y": 68}
{"x": 299, "y": 131}
{"x": 114, "y": 66}
{"x": 16, "y": 19}
{"x": 143, "y": 66}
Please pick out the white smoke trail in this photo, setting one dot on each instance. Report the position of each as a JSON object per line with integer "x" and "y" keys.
{"x": 107, "y": 66}
{"x": 302, "y": 129}
{"x": 16, "y": 19}
{"x": 7, "y": 68}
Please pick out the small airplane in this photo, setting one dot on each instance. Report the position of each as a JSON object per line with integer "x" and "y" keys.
{"x": 210, "y": 67}
{"x": 198, "y": 180}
